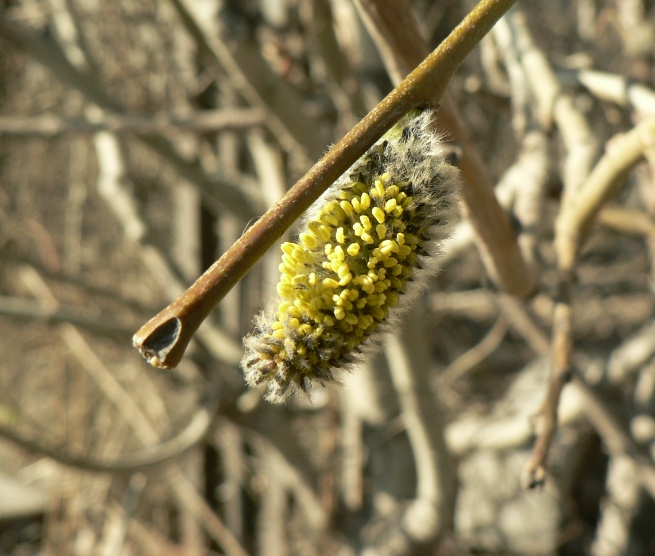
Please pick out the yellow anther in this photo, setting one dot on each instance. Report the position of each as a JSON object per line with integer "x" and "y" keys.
{"x": 358, "y": 229}
{"x": 337, "y": 211}
{"x": 388, "y": 246}
{"x": 308, "y": 240}
{"x": 324, "y": 232}
{"x": 339, "y": 313}
{"x": 285, "y": 291}
{"x": 277, "y": 325}
{"x": 377, "y": 313}
{"x": 379, "y": 189}
{"x": 293, "y": 323}
{"x": 390, "y": 262}
{"x": 397, "y": 270}
{"x": 390, "y": 205}
{"x": 341, "y": 238}
{"x": 343, "y": 270}
{"x": 378, "y": 214}
{"x": 300, "y": 279}
{"x": 312, "y": 279}
{"x": 400, "y": 238}
{"x": 347, "y": 208}
{"x": 288, "y": 247}
{"x": 397, "y": 211}
{"x": 366, "y": 222}
{"x": 356, "y": 205}
{"x": 330, "y": 283}
{"x": 372, "y": 261}
{"x": 392, "y": 191}
{"x": 353, "y": 249}
{"x": 289, "y": 260}
{"x": 280, "y": 334}
{"x": 328, "y": 219}
{"x": 339, "y": 253}
{"x": 345, "y": 279}
{"x": 286, "y": 269}
{"x": 392, "y": 299}
{"x": 365, "y": 201}
{"x": 368, "y": 238}
{"x": 351, "y": 319}
{"x": 368, "y": 289}
{"x": 398, "y": 225}
{"x": 302, "y": 295}
{"x": 294, "y": 311}
{"x": 381, "y": 286}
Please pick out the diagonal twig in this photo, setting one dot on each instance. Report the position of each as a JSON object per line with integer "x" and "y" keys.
{"x": 164, "y": 338}
{"x": 579, "y": 212}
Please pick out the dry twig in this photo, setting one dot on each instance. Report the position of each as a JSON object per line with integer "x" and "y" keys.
{"x": 164, "y": 338}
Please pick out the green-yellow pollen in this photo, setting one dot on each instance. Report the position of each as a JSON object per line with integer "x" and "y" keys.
{"x": 347, "y": 269}
{"x": 359, "y": 249}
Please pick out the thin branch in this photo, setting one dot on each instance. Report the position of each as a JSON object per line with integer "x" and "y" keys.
{"x": 478, "y": 353}
{"x": 613, "y": 88}
{"x": 164, "y": 452}
{"x": 219, "y": 191}
{"x": 578, "y": 213}
{"x": 201, "y": 121}
{"x": 160, "y": 452}
{"x": 164, "y": 338}
{"x": 555, "y": 105}
{"x": 257, "y": 85}
{"x": 430, "y": 512}
{"x": 628, "y": 221}
{"x": 28, "y": 309}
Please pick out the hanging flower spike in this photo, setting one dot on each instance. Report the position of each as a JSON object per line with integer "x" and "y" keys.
{"x": 369, "y": 244}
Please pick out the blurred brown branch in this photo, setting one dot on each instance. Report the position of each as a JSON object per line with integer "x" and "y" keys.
{"x": 398, "y": 38}
{"x": 204, "y": 121}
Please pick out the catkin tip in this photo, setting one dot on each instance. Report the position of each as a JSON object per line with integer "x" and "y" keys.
{"x": 367, "y": 243}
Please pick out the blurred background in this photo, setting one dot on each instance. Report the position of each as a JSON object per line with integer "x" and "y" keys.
{"x": 139, "y": 138}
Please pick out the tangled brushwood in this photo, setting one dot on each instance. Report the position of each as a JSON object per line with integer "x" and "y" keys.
{"x": 369, "y": 243}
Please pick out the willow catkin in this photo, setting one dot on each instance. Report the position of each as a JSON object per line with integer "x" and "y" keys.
{"x": 367, "y": 247}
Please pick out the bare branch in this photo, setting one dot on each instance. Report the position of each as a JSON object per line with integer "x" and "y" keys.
{"x": 219, "y": 191}
{"x": 204, "y": 121}
{"x": 164, "y": 338}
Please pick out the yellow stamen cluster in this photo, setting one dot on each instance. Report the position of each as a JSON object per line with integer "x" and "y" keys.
{"x": 350, "y": 265}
